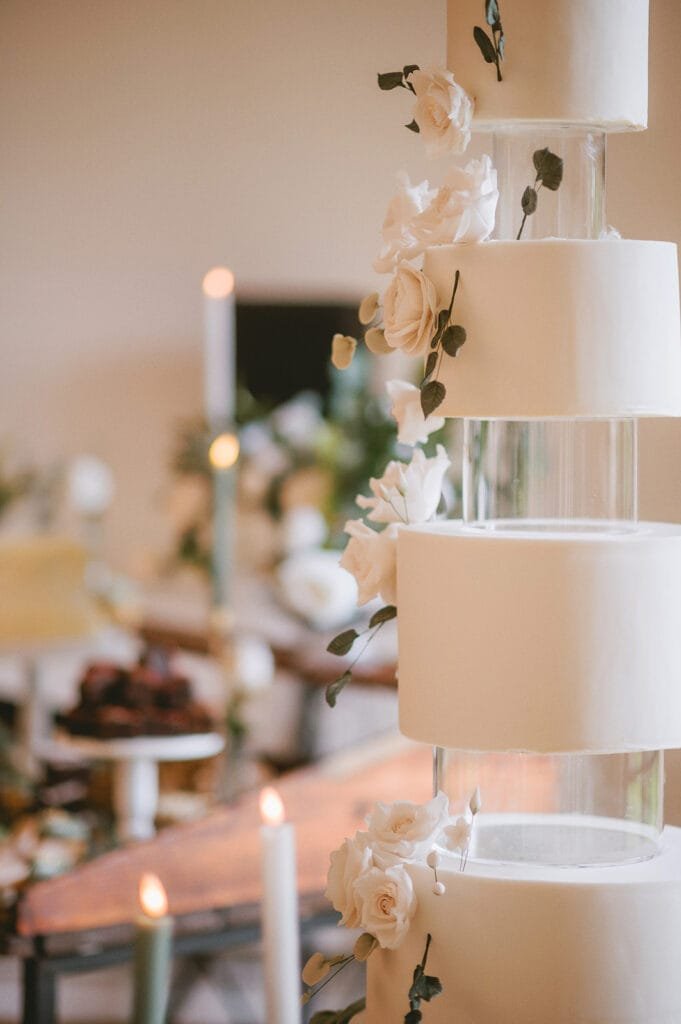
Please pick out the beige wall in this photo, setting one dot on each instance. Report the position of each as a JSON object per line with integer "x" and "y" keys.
{"x": 145, "y": 140}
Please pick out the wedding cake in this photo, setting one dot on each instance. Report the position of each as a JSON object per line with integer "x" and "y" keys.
{"x": 539, "y": 640}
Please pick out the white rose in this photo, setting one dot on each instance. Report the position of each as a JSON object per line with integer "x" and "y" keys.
{"x": 348, "y": 864}
{"x": 443, "y": 111}
{"x": 388, "y": 904}
{"x": 399, "y": 242}
{"x": 409, "y": 311}
{"x": 412, "y": 427}
{"x": 463, "y": 209}
{"x": 401, "y": 831}
{"x": 371, "y": 557}
{"x": 407, "y": 493}
{"x": 314, "y": 586}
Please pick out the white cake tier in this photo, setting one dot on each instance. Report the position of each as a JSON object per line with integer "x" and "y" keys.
{"x": 561, "y": 328}
{"x": 537, "y": 945}
{"x": 526, "y": 639}
{"x": 566, "y": 61}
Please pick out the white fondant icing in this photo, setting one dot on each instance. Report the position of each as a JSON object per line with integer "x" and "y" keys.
{"x": 531, "y": 945}
{"x": 512, "y": 640}
{"x": 566, "y": 61}
{"x": 561, "y": 328}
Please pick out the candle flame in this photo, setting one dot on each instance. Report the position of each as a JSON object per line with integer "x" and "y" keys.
{"x": 224, "y": 451}
{"x": 153, "y": 897}
{"x": 218, "y": 283}
{"x": 271, "y": 806}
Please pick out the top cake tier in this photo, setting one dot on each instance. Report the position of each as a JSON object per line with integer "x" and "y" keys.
{"x": 572, "y": 62}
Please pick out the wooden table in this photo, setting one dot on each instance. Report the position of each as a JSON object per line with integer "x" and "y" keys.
{"x": 210, "y": 868}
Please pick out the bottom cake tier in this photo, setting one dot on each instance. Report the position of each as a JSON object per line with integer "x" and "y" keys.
{"x": 523, "y": 944}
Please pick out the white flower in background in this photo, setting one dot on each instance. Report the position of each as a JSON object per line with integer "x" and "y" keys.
{"x": 90, "y": 485}
{"x": 412, "y": 426}
{"x": 402, "y": 830}
{"x": 457, "y": 836}
{"x": 371, "y": 557}
{"x": 388, "y": 904}
{"x": 443, "y": 111}
{"x": 342, "y": 350}
{"x": 464, "y": 208}
{"x": 407, "y": 493}
{"x": 253, "y": 664}
{"x": 298, "y": 420}
{"x": 409, "y": 311}
{"x": 314, "y": 586}
{"x": 303, "y": 527}
{"x": 348, "y": 864}
{"x": 399, "y": 241}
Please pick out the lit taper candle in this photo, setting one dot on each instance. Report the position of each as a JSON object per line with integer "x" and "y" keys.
{"x": 153, "y": 944}
{"x": 219, "y": 356}
{"x": 281, "y": 942}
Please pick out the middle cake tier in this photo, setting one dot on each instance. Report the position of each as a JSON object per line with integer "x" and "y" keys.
{"x": 517, "y": 637}
{"x": 561, "y": 328}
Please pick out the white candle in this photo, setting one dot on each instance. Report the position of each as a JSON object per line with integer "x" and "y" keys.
{"x": 279, "y": 912}
{"x": 219, "y": 357}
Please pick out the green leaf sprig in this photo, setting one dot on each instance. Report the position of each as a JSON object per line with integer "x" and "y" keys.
{"x": 343, "y": 643}
{"x": 447, "y": 340}
{"x": 424, "y": 987}
{"x": 549, "y": 168}
{"x": 339, "y": 1016}
{"x": 492, "y": 49}
{"x": 388, "y": 80}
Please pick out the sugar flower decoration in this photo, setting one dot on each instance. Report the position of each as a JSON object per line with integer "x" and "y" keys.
{"x": 412, "y": 426}
{"x": 388, "y": 904}
{"x": 409, "y": 311}
{"x": 407, "y": 492}
{"x": 402, "y": 830}
{"x": 371, "y": 557}
{"x": 443, "y": 111}
{"x": 399, "y": 241}
{"x": 462, "y": 210}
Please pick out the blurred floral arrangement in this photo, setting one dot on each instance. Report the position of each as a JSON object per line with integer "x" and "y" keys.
{"x": 300, "y": 469}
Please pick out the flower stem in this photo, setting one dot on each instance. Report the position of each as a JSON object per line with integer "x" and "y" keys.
{"x": 429, "y": 939}
{"x": 332, "y": 976}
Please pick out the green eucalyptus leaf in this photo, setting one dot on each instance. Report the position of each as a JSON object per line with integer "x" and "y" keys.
{"x": 486, "y": 45}
{"x": 334, "y": 688}
{"x": 413, "y": 1017}
{"x": 529, "y": 201}
{"x": 453, "y": 338}
{"x": 342, "y": 643}
{"x": 431, "y": 363}
{"x": 427, "y": 987}
{"x": 549, "y": 168}
{"x": 432, "y": 396}
{"x": 390, "y": 80}
{"x": 492, "y": 16}
{"x": 501, "y": 45}
{"x": 324, "y": 1017}
{"x": 413, "y": 127}
{"x": 383, "y": 615}
{"x": 408, "y": 68}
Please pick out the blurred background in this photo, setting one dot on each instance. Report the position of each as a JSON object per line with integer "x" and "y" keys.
{"x": 144, "y": 142}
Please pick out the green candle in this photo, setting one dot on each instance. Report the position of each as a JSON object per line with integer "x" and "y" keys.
{"x": 153, "y": 944}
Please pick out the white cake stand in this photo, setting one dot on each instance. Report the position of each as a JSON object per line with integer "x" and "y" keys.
{"x": 135, "y": 766}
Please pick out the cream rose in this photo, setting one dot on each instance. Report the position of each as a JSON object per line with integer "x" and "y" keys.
{"x": 399, "y": 242}
{"x": 371, "y": 557}
{"x": 443, "y": 111}
{"x": 412, "y": 427}
{"x": 409, "y": 311}
{"x": 407, "y": 493}
{"x": 464, "y": 208}
{"x": 388, "y": 904}
{"x": 348, "y": 864}
{"x": 402, "y": 830}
